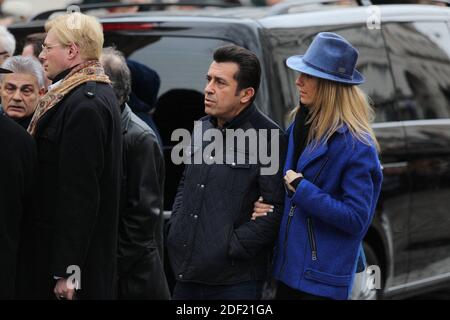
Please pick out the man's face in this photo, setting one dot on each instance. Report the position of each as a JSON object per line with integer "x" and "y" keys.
{"x": 20, "y": 93}
{"x": 221, "y": 99}
{"x": 28, "y": 51}
{"x": 54, "y": 56}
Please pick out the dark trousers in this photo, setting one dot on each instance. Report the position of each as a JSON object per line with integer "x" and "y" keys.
{"x": 285, "y": 292}
{"x": 249, "y": 290}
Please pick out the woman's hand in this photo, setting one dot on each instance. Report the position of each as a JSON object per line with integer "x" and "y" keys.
{"x": 291, "y": 176}
{"x": 261, "y": 209}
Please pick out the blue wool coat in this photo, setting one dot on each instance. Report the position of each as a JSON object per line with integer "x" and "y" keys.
{"x": 327, "y": 217}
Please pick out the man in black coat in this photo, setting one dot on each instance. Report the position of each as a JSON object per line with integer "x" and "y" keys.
{"x": 140, "y": 249}
{"x": 17, "y": 170}
{"x": 77, "y": 129}
{"x": 216, "y": 250}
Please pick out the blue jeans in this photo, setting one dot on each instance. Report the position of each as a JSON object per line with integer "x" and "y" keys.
{"x": 249, "y": 290}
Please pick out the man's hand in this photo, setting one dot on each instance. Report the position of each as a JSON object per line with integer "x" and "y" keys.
{"x": 289, "y": 177}
{"x": 261, "y": 209}
{"x": 62, "y": 291}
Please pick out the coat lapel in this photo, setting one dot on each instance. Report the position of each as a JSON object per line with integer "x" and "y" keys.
{"x": 307, "y": 156}
{"x": 310, "y": 155}
{"x": 290, "y": 150}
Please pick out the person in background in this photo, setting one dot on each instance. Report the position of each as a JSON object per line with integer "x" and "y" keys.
{"x": 21, "y": 90}
{"x": 17, "y": 172}
{"x": 140, "y": 247}
{"x": 145, "y": 83}
{"x": 33, "y": 45}
{"x": 13, "y": 12}
{"x": 7, "y": 44}
{"x": 33, "y": 48}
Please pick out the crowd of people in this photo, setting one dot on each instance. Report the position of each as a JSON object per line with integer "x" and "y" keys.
{"x": 82, "y": 178}
{"x": 79, "y": 200}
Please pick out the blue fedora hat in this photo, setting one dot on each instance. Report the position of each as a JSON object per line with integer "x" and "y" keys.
{"x": 329, "y": 57}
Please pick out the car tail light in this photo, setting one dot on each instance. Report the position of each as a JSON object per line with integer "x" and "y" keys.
{"x": 129, "y": 26}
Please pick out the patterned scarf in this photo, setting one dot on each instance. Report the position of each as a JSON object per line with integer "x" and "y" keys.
{"x": 84, "y": 72}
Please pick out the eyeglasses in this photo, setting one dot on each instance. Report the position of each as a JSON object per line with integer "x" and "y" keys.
{"x": 46, "y": 47}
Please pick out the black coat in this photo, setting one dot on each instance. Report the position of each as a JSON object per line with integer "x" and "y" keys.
{"x": 17, "y": 169}
{"x": 79, "y": 145}
{"x": 23, "y": 122}
{"x": 140, "y": 250}
{"x": 211, "y": 238}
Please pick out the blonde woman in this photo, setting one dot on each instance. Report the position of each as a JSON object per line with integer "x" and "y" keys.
{"x": 332, "y": 175}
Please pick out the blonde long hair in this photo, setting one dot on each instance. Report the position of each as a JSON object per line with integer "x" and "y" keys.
{"x": 337, "y": 104}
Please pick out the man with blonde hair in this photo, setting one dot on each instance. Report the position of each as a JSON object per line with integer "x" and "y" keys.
{"x": 78, "y": 134}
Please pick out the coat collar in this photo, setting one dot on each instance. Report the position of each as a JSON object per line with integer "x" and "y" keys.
{"x": 237, "y": 121}
{"x": 126, "y": 118}
{"x": 309, "y": 154}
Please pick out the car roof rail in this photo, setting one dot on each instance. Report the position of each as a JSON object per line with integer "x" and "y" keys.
{"x": 422, "y": 2}
{"x": 285, "y": 6}
{"x": 447, "y": 2}
{"x": 154, "y": 5}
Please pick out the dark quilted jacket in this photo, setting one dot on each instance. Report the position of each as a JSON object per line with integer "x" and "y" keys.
{"x": 211, "y": 238}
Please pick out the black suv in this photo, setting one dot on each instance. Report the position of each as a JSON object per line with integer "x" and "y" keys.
{"x": 405, "y": 57}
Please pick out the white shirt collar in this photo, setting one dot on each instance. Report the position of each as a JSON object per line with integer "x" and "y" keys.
{"x": 54, "y": 85}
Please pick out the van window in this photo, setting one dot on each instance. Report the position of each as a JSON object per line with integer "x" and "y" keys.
{"x": 180, "y": 62}
{"x": 420, "y": 56}
{"x": 373, "y": 63}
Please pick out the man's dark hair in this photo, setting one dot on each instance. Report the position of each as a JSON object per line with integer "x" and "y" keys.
{"x": 249, "y": 73}
{"x": 36, "y": 40}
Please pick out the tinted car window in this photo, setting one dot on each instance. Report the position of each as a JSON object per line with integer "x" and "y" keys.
{"x": 373, "y": 64}
{"x": 177, "y": 68}
{"x": 420, "y": 54}
{"x": 181, "y": 64}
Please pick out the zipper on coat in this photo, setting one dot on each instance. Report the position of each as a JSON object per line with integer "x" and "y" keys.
{"x": 309, "y": 222}
{"x": 288, "y": 224}
{"x": 312, "y": 240}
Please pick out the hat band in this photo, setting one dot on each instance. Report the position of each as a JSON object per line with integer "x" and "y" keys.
{"x": 338, "y": 74}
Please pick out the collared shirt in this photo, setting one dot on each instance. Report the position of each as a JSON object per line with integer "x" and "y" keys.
{"x": 59, "y": 77}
